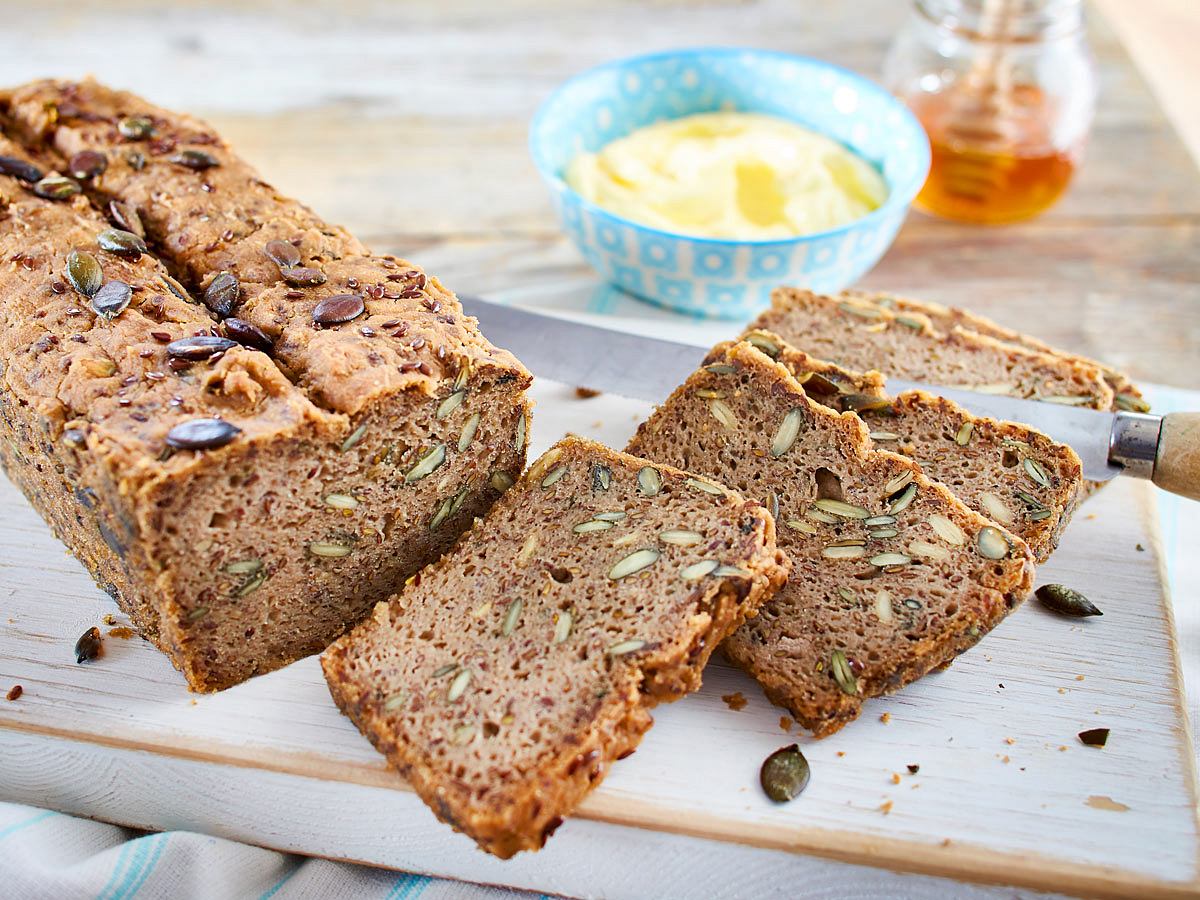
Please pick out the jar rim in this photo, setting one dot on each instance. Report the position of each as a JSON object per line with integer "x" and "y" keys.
{"x": 1005, "y": 21}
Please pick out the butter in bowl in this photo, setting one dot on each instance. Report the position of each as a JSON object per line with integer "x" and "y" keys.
{"x": 702, "y": 179}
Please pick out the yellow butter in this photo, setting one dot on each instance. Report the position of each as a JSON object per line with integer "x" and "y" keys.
{"x": 739, "y": 176}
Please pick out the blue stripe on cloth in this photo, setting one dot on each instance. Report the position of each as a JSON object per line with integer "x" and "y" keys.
{"x": 270, "y": 892}
{"x": 141, "y": 849}
{"x": 21, "y": 826}
{"x": 159, "y": 842}
{"x": 406, "y": 885}
{"x": 112, "y": 879}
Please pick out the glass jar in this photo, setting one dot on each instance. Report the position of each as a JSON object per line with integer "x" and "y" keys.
{"x": 1006, "y": 90}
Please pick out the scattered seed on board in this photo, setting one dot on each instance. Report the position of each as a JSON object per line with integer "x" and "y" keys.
{"x": 89, "y": 645}
{"x": 784, "y": 774}
{"x": 1066, "y": 601}
{"x": 1094, "y": 737}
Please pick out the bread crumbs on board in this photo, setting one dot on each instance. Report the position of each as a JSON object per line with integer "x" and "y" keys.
{"x": 735, "y": 701}
{"x": 885, "y": 807}
{"x": 885, "y": 718}
{"x": 786, "y": 723}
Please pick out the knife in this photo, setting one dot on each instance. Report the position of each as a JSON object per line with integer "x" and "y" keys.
{"x": 1165, "y": 449}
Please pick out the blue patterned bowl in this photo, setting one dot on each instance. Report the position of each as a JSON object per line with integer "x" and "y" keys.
{"x": 724, "y": 278}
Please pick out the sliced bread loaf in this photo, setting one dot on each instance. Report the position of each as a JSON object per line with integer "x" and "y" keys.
{"x": 892, "y": 575}
{"x": 505, "y": 679}
{"x": 861, "y": 335}
{"x": 1010, "y": 473}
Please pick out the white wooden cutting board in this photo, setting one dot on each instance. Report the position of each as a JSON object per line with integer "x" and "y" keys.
{"x": 1006, "y": 794}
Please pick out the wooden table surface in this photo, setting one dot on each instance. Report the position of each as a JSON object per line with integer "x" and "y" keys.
{"x": 407, "y": 123}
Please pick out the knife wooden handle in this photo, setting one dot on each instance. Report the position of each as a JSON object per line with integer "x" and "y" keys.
{"x": 1177, "y": 460}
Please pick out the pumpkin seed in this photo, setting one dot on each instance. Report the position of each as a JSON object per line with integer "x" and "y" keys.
{"x": 601, "y": 478}
{"x": 202, "y": 434}
{"x": 88, "y": 646}
{"x": 21, "y": 170}
{"x": 991, "y": 543}
{"x": 883, "y": 606}
{"x": 680, "y": 537}
{"x": 910, "y": 322}
{"x": 355, "y": 436}
{"x": 253, "y": 583}
{"x": 863, "y": 312}
{"x": 624, "y": 648}
{"x": 995, "y": 508}
{"x": 844, "y": 551}
{"x": 927, "y": 550}
{"x": 1038, "y": 514}
{"x": 800, "y": 525}
{"x": 135, "y": 128}
{"x": 633, "y": 563}
{"x": 464, "y": 373}
{"x": 698, "y": 570}
{"x": 56, "y": 187}
{"x": 763, "y": 343}
{"x": 221, "y": 295}
{"x": 450, "y": 404}
{"x": 839, "y": 667}
{"x": 879, "y": 520}
{"x": 788, "y": 431}
{"x": 196, "y": 160}
{"x": 861, "y": 403}
{"x": 1035, "y": 472}
{"x": 341, "y": 501}
{"x": 443, "y": 513}
{"x": 511, "y": 617}
{"x": 468, "y": 434}
{"x": 554, "y": 476}
{"x": 839, "y": 508}
{"x": 902, "y": 502}
{"x": 784, "y": 774}
{"x": 1132, "y": 403}
{"x": 459, "y": 499}
{"x": 84, "y": 272}
{"x": 112, "y": 299}
{"x": 947, "y": 530}
{"x": 519, "y": 436}
{"x": 592, "y": 525}
{"x": 704, "y": 486}
{"x": 772, "y": 504}
{"x": 458, "y": 686}
{"x": 427, "y": 464}
{"x": 1068, "y": 399}
{"x": 723, "y": 414}
{"x": 649, "y": 481}
{"x": 562, "y": 627}
{"x": 847, "y": 594}
{"x": 883, "y": 560}
{"x": 445, "y": 670}
{"x": 964, "y": 434}
{"x": 1066, "y": 601}
{"x": 500, "y": 481}
{"x": 329, "y": 549}
{"x": 1094, "y": 737}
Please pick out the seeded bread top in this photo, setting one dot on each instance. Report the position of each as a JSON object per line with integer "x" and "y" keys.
{"x": 865, "y": 336}
{"x": 350, "y": 325}
{"x": 504, "y": 678}
{"x": 1126, "y": 393}
{"x": 1010, "y": 473}
{"x": 112, "y": 386}
{"x": 891, "y": 576}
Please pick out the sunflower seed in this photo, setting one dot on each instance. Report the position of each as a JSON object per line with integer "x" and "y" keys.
{"x": 1035, "y": 472}
{"x": 633, "y": 563}
{"x": 818, "y": 516}
{"x": 592, "y": 525}
{"x": 1132, "y": 403}
{"x": 458, "y": 686}
{"x": 511, "y": 616}
{"x": 927, "y": 550}
{"x": 883, "y": 436}
{"x": 1038, "y": 514}
{"x": 680, "y": 537}
{"x": 649, "y": 481}
{"x": 763, "y": 343}
{"x": 445, "y": 670}
{"x": 244, "y": 567}
{"x": 1068, "y": 399}
{"x": 500, "y": 481}
{"x": 87, "y": 164}
{"x": 847, "y": 594}
{"x": 784, "y": 774}
{"x": 995, "y": 508}
{"x": 883, "y": 606}
{"x": 897, "y": 483}
{"x": 99, "y": 368}
{"x": 947, "y": 530}
{"x": 844, "y": 551}
{"x": 723, "y": 414}
{"x": 839, "y": 667}
{"x": 909, "y": 322}
{"x": 601, "y": 478}
{"x": 464, "y": 734}
{"x": 135, "y": 128}
{"x": 991, "y": 543}
{"x": 198, "y": 348}
{"x": 56, "y": 187}
{"x": 788, "y": 431}
{"x": 468, "y": 433}
{"x": 710, "y": 394}
{"x": 427, "y": 464}
{"x": 302, "y": 276}
{"x": 881, "y": 533}
{"x": 902, "y": 502}
{"x": 394, "y": 702}
{"x": 355, "y": 436}
{"x": 341, "y": 501}
{"x": 124, "y": 243}
{"x": 963, "y": 437}
{"x": 84, "y": 272}
{"x": 554, "y": 476}
{"x": 772, "y": 504}
{"x": 1066, "y": 601}
{"x": 196, "y": 160}
{"x": 464, "y": 373}
{"x": 283, "y": 254}
{"x": 704, "y": 486}
{"x": 731, "y": 571}
{"x": 839, "y": 508}
{"x": 222, "y": 293}
{"x": 338, "y": 309}
{"x": 21, "y": 170}
{"x": 800, "y": 525}
{"x": 519, "y": 436}
{"x": 883, "y": 560}
{"x": 562, "y": 626}
{"x": 698, "y": 570}
{"x": 614, "y": 516}
{"x": 252, "y": 584}
{"x": 329, "y": 549}
{"x": 879, "y": 520}
{"x": 112, "y": 299}
{"x": 623, "y": 648}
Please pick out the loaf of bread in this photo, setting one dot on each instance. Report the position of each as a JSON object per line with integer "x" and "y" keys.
{"x": 1008, "y": 472}
{"x": 362, "y": 427}
{"x": 506, "y": 678}
{"x": 862, "y": 335}
{"x": 892, "y": 576}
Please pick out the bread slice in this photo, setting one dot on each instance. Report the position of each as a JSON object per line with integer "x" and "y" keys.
{"x": 1126, "y": 394}
{"x": 860, "y": 335}
{"x": 505, "y": 679}
{"x": 892, "y": 575}
{"x": 1010, "y": 473}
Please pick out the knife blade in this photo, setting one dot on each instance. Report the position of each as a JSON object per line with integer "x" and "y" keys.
{"x": 647, "y": 368}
